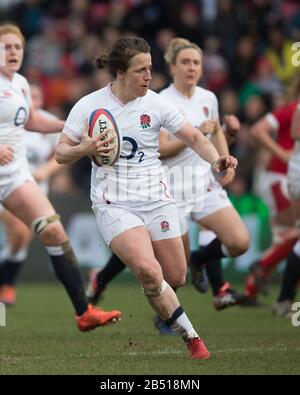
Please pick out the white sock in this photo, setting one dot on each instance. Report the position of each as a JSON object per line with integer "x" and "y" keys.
{"x": 19, "y": 256}
{"x": 182, "y": 326}
{"x": 206, "y": 236}
{"x": 225, "y": 250}
{"x": 55, "y": 250}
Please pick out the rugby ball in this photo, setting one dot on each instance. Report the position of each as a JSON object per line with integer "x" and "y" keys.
{"x": 100, "y": 121}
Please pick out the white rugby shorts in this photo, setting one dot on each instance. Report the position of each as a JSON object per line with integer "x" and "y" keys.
{"x": 215, "y": 198}
{"x": 161, "y": 222}
{"x": 13, "y": 182}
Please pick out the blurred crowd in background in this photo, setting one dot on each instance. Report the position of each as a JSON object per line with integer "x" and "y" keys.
{"x": 247, "y": 46}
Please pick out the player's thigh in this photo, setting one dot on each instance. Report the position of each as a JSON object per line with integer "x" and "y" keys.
{"x": 27, "y": 202}
{"x": 133, "y": 246}
{"x": 186, "y": 246}
{"x": 227, "y": 225}
{"x": 171, "y": 256}
{"x": 16, "y": 231}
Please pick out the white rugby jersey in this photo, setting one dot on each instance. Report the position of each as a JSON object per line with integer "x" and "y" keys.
{"x": 15, "y": 102}
{"x": 137, "y": 178}
{"x": 202, "y": 106}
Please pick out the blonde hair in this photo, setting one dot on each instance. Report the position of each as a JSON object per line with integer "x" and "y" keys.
{"x": 12, "y": 29}
{"x": 175, "y": 46}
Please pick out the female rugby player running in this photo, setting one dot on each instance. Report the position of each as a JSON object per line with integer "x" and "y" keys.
{"x": 135, "y": 214}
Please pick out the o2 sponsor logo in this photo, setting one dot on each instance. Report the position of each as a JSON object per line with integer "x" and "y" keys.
{"x": 21, "y": 116}
{"x": 133, "y": 150}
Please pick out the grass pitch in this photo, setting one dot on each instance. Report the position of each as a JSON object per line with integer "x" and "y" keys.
{"x": 41, "y": 337}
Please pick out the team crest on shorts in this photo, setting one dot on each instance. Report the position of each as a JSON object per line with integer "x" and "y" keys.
{"x": 145, "y": 121}
{"x": 164, "y": 226}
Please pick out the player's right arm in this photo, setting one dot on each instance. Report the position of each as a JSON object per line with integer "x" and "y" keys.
{"x": 69, "y": 151}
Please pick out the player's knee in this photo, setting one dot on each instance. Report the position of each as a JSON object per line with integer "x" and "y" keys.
{"x": 149, "y": 275}
{"x": 54, "y": 235}
{"x": 177, "y": 280}
{"x": 180, "y": 281}
{"x": 239, "y": 246}
{"x": 49, "y": 229}
{"x": 153, "y": 292}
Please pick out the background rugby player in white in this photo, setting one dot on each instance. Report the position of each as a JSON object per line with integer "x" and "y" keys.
{"x": 210, "y": 206}
{"x": 19, "y": 193}
{"x": 139, "y": 222}
{"x": 42, "y": 164}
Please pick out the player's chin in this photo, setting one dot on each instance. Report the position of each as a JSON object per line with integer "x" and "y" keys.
{"x": 15, "y": 67}
{"x": 191, "y": 81}
{"x": 143, "y": 90}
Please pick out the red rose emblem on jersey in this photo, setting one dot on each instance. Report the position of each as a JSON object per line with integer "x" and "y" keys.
{"x": 164, "y": 226}
{"x": 206, "y": 112}
{"x": 145, "y": 121}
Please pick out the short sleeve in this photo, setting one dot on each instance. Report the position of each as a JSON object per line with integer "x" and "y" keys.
{"x": 27, "y": 92}
{"x": 76, "y": 122}
{"x": 283, "y": 115}
{"x": 215, "y": 107}
{"x": 172, "y": 118}
{"x": 273, "y": 121}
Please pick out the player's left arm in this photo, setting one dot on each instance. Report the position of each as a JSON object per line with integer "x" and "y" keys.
{"x": 38, "y": 122}
{"x": 220, "y": 142}
{"x": 193, "y": 138}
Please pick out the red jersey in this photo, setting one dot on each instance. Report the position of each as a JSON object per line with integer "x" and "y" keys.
{"x": 281, "y": 120}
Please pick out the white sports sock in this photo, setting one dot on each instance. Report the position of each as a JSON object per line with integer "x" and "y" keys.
{"x": 183, "y": 327}
{"x": 19, "y": 256}
{"x": 224, "y": 250}
{"x": 206, "y": 236}
{"x": 55, "y": 250}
